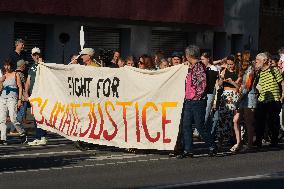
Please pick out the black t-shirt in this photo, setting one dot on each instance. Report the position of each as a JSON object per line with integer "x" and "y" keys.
{"x": 112, "y": 65}
{"x": 232, "y": 75}
{"x": 15, "y": 57}
{"x": 211, "y": 77}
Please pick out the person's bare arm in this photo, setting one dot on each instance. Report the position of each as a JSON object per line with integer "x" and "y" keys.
{"x": 20, "y": 89}
{"x": 2, "y": 79}
{"x": 282, "y": 85}
{"x": 27, "y": 86}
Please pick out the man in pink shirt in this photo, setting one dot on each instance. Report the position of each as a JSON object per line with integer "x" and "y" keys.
{"x": 195, "y": 103}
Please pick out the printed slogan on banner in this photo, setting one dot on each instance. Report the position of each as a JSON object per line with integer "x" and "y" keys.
{"x": 124, "y": 107}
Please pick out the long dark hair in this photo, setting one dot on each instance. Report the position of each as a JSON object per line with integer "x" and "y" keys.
{"x": 6, "y": 62}
{"x": 246, "y": 58}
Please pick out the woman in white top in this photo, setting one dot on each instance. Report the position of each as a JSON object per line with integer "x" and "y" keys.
{"x": 10, "y": 100}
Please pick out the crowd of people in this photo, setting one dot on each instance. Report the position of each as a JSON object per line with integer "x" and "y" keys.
{"x": 235, "y": 101}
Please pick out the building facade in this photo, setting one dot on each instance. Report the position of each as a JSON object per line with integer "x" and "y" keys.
{"x": 132, "y": 27}
{"x": 271, "y": 25}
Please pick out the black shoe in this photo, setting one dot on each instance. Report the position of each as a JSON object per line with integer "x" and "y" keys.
{"x": 185, "y": 155}
{"x": 83, "y": 146}
{"x": 24, "y": 138}
{"x": 212, "y": 152}
{"x": 174, "y": 153}
{"x": 258, "y": 144}
{"x": 3, "y": 142}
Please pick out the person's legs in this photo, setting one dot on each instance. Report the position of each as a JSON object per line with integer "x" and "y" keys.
{"x": 12, "y": 108}
{"x": 226, "y": 114}
{"x": 40, "y": 133}
{"x": 187, "y": 127}
{"x": 22, "y": 112}
{"x": 237, "y": 129}
{"x": 40, "y": 137}
{"x": 260, "y": 116}
{"x": 249, "y": 117}
{"x": 179, "y": 144}
{"x": 199, "y": 115}
{"x": 273, "y": 118}
{"x": 3, "y": 117}
{"x": 214, "y": 124}
{"x": 208, "y": 106}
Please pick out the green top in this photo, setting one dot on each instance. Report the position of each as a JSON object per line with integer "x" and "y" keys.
{"x": 269, "y": 85}
{"x": 32, "y": 74}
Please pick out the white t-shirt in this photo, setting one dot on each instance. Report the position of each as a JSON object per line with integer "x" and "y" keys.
{"x": 1, "y": 73}
{"x": 214, "y": 68}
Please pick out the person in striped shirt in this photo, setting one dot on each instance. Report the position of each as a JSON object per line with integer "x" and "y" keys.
{"x": 269, "y": 83}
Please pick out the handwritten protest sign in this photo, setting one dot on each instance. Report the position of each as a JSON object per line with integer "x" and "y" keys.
{"x": 124, "y": 107}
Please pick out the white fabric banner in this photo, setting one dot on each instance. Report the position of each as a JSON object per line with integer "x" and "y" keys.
{"x": 123, "y": 107}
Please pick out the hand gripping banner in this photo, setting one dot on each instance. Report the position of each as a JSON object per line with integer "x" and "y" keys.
{"x": 123, "y": 107}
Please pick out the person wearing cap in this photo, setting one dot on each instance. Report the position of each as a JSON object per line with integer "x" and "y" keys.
{"x": 18, "y": 53}
{"x": 176, "y": 58}
{"x": 37, "y": 57}
{"x": 21, "y": 114}
{"x": 87, "y": 55}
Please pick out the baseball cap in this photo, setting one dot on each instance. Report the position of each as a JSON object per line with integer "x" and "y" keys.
{"x": 21, "y": 62}
{"x": 177, "y": 54}
{"x": 87, "y": 51}
{"x": 35, "y": 50}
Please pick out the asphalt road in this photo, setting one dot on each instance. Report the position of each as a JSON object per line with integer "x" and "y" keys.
{"x": 60, "y": 165}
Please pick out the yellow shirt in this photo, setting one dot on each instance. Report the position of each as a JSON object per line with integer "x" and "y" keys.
{"x": 94, "y": 64}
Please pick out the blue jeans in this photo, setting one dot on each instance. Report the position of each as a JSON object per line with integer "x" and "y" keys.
{"x": 208, "y": 106}
{"x": 194, "y": 111}
{"x": 39, "y": 132}
{"x": 214, "y": 124}
{"x": 22, "y": 112}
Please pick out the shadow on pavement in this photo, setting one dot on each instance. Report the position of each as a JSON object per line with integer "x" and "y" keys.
{"x": 27, "y": 163}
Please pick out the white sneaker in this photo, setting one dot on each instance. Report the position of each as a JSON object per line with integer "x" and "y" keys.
{"x": 36, "y": 142}
{"x": 43, "y": 141}
{"x": 195, "y": 133}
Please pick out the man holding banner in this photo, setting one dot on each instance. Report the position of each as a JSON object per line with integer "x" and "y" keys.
{"x": 40, "y": 133}
{"x": 87, "y": 55}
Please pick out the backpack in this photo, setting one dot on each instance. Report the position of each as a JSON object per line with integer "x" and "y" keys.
{"x": 256, "y": 80}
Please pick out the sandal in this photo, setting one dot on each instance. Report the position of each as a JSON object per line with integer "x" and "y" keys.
{"x": 235, "y": 148}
